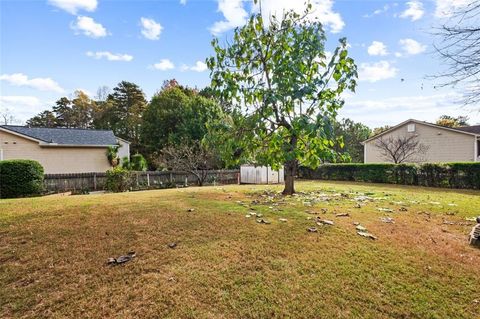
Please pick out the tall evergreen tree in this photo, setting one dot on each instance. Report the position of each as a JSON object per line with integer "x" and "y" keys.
{"x": 127, "y": 104}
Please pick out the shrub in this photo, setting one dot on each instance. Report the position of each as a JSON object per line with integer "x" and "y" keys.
{"x": 454, "y": 175}
{"x": 118, "y": 180}
{"x": 138, "y": 163}
{"x": 20, "y": 178}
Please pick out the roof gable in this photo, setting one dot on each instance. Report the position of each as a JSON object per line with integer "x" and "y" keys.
{"x": 457, "y": 130}
{"x": 65, "y": 136}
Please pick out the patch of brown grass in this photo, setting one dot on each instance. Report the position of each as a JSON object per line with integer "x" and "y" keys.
{"x": 53, "y": 252}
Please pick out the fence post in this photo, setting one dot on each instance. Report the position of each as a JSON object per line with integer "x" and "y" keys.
{"x": 148, "y": 179}
{"x": 171, "y": 177}
{"x": 95, "y": 181}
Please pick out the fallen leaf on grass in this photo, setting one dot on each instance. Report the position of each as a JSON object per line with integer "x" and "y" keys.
{"x": 361, "y": 228}
{"x": 388, "y": 220}
{"x": 388, "y": 210}
{"x": 367, "y": 235}
{"x": 324, "y": 221}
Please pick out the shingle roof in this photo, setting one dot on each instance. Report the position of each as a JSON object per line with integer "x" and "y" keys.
{"x": 66, "y": 136}
{"x": 471, "y": 129}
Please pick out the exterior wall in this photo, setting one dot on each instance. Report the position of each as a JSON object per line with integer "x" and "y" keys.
{"x": 444, "y": 145}
{"x": 55, "y": 160}
{"x": 124, "y": 149}
{"x": 250, "y": 174}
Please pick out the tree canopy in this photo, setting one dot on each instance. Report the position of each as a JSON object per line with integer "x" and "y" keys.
{"x": 176, "y": 115}
{"x": 450, "y": 121}
{"x": 277, "y": 75}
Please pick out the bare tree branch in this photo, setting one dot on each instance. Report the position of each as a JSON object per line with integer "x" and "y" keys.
{"x": 459, "y": 52}
{"x": 401, "y": 149}
{"x": 194, "y": 159}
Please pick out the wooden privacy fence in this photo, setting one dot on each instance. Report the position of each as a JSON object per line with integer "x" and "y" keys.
{"x": 141, "y": 180}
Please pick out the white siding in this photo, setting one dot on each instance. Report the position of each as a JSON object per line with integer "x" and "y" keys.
{"x": 124, "y": 149}
{"x": 250, "y": 174}
{"x": 443, "y": 145}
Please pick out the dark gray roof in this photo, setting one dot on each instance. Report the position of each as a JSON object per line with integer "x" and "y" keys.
{"x": 66, "y": 136}
{"x": 475, "y": 129}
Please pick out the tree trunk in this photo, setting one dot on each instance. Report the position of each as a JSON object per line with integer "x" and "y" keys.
{"x": 290, "y": 172}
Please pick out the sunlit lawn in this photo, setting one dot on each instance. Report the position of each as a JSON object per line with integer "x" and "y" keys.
{"x": 53, "y": 253}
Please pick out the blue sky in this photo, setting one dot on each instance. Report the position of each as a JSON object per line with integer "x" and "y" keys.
{"x": 50, "y": 48}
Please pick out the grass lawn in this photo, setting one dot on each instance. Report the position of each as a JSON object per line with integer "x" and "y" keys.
{"x": 53, "y": 253}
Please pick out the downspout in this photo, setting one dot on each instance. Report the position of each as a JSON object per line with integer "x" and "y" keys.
{"x": 364, "y": 153}
{"x": 475, "y": 148}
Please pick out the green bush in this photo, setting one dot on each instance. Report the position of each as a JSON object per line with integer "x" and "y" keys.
{"x": 20, "y": 178}
{"x": 136, "y": 163}
{"x": 454, "y": 175}
{"x": 118, "y": 180}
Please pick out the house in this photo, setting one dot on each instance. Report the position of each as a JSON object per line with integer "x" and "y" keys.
{"x": 60, "y": 150}
{"x": 440, "y": 144}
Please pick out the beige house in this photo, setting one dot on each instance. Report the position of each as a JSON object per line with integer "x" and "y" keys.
{"x": 435, "y": 143}
{"x": 60, "y": 150}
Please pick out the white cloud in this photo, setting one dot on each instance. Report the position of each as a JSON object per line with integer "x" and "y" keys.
{"x": 42, "y": 84}
{"x": 150, "y": 28}
{"x": 21, "y": 107}
{"x": 394, "y": 110}
{"x": 377, "y": 48}
{"x": 183, "y": 2}
{"x": 73, "y": 6}
{"x": 373, "y": 72}
{"x": 198, "y": 67}
{"x": 321, "y": 10}
{"x": 446, "y": 8}
{"x": 384, "y": 9}
{"x": 89, "y": 27}
{"x": 414, "y": 10}
{"x": 235, "y": 14}
{"x": 164, "y": 65}
{"x": 411, "y": 47}
{"x": 110, "y": 56}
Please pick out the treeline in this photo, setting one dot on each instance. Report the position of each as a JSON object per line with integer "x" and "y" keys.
{"x": 174, "y": 117}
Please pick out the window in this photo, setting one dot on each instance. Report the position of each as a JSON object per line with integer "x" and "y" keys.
{"x": 411, "y": 128}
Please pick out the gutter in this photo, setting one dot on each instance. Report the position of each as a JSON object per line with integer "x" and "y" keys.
{"x": 74, "y": 145}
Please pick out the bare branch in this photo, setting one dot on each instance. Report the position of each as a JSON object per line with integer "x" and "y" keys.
{"x": 401, "y": 149}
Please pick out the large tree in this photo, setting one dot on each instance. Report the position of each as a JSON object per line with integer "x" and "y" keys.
{"x": 277, "y": 74}
{"x": 353, "y": 134}
{"x": 176, "y": 115}
{"x": 77, "y": 112}
{"x": 458, "y": 50}
{"x": 43, "y": 119}
{"x": 125, "y": 110}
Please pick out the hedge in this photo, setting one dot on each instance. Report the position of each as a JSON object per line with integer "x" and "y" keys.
{"x": 453, "y": 175}
{"x": 20, "y": 178}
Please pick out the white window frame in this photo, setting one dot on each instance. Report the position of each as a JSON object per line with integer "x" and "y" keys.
{"x": 411, "y": 128}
